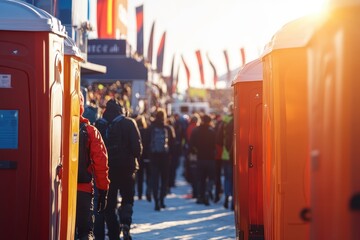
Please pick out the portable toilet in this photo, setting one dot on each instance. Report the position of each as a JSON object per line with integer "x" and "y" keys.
{"x": 31, "y": 115}
{"x": 285, "y": 127}
{"x": 248, "y": 165}
{"x": 71, "y": 110}
{"x": 334, "y": 62}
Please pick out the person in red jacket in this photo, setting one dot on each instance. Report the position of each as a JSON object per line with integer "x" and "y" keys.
{"x": 93, "y": 166}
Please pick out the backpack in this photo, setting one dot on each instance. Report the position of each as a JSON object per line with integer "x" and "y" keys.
{"x": 84, "y": 176}
{"x": 102, "y": 124}
{"x": 111, "y": 136}
{"x": 159, "y": 142}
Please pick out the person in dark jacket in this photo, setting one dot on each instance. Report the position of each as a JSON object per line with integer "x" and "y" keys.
{"x": 179, "y": 128}
{"x": 97, "y": 170}
{"x": 124, "y": 148}
{"x": 160, "y": 159}
{"x": 202, "y": 142}
{"x": 191, "y": 160}
{"x": 144, "y": 162}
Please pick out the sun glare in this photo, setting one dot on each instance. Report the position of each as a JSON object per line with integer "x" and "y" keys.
{"x": 305, "y": 7}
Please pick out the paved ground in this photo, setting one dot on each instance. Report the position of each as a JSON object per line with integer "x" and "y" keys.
{"x": 182, "y": 218}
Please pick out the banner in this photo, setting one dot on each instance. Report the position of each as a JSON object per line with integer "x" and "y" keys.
{"x": 140, "y": 30}
{"x": 215, "y": 79}
{"x": 201, "y": 69}
{"x": 187, "y": 71}
{"x": 160, "y": 54}
{"x": 197, "y": 93}
{"x": 150, "y": 46}
{"x": 121, "y": 18}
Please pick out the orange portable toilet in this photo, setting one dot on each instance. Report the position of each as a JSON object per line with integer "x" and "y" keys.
{"x": 248, "y": 170}
{"x": 334, "y": 98}
{"x": 72, "y": 59}
{"x": 285, "y": 127}
{"x": 31, "y": 96}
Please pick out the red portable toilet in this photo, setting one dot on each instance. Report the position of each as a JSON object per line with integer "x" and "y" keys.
{"x": 248, "y": 165}
{"x": 334, "y": 54}
{"x": 31, "y": 97}
{"x": 72, "y": 59}
{"x": 285, "y": 127}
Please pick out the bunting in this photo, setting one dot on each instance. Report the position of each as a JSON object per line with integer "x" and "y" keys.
{"x": 187, "y": 71}
{"x": 201, "y": 69}
{"x": 215, "y": 79}
{"x": 227, "y": 65}
{"x": 242, "y": 52}
{"x": 151, "y": 43}
{"x": 160, "y": 54}
{"x": 140, "y": 30}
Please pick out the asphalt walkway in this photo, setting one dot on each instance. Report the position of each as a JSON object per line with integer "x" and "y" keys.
{"x": 182, "y": 218}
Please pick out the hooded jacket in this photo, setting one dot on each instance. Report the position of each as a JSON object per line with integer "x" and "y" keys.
{"x": 99, "y": 160}
{"x": 127, "y": 138}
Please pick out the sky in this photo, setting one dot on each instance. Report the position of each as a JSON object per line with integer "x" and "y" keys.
{"x": 212, "y": 27}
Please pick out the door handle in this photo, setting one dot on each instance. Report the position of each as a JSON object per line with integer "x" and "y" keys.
{"x": 250, "y": 163}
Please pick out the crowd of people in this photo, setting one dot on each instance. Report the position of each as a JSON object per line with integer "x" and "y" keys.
{"x": 144, "y": 152}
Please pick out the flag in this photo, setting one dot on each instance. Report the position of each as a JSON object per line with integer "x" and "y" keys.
{"x": 176, "y": 79}
{"x": 108, "y": 22}
{"x": 187, "y": 71}
{"x": 55, "y": 4}
{"x": 171, "y": 79}
{"x": 140, "y": 30}
{"x": 151, "y": 43}
{"x": 227, "y": 65}
{"x": 160, "y": 54}
{"x": 242, "y": 52}
{"x": 214, "y": 70}
{"x": 105, "y": 19}
{"x": 201, "y": 69}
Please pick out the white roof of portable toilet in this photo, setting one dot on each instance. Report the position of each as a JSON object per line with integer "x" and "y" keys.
{"x": 294, "y": 34}
{"x": 343, "y": 3}
{"x": 21, "y": 16}
{"x": 71, "y": 48}
{"x": 252, "y": 71}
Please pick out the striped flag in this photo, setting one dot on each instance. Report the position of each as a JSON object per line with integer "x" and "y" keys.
{"x": 105, "y": 19}
{"x": 214, "y": 70}
{"x": 140, "y": 30}
{"x": 160, "y": 54}
{"x": 201, "y": 68}
{"x": 151, "y": 43}
{"x": 187, "y": 71}
{"x": 108, "y": 22}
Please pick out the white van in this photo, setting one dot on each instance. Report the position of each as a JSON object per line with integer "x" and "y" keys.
{"x": 189, "y": 107}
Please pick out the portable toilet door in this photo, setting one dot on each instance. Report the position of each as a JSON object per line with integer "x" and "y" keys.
{"x": 71, "y": 110}
{"x": 31, "y": 96}
{"x": 248, "y": 170}
{"x": 334, "y": 98}
{"x": 286, "y": 160}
